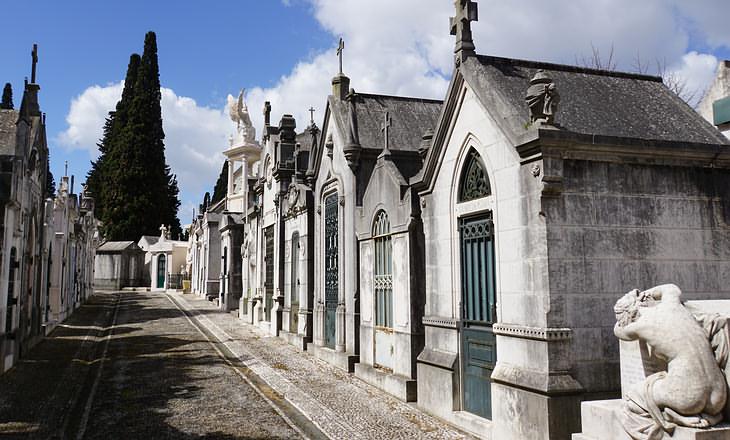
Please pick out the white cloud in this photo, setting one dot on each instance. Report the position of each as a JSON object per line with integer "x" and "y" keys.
{"x": 695, "y": 72}
{"x": 195, "y": 135}
{"x": 403, "y": 47}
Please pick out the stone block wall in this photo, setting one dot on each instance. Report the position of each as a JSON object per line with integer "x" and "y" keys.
{"x": 619, "y": 226}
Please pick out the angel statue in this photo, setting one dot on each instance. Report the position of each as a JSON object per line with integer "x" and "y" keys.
{"x": 245, "y": 131}
{"x": 693, "y": 390}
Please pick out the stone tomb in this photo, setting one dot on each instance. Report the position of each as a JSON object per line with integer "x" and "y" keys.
{"x": 601, "y": 419}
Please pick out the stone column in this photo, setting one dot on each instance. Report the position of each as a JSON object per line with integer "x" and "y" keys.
{"x": 231, "y": 164}
{"x": 244, "y": 181}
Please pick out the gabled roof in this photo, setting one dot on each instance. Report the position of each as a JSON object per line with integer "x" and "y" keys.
{"x": 117, "y": 246}
{"x": 411, "y": 117}
{"x": 593, "y": 102}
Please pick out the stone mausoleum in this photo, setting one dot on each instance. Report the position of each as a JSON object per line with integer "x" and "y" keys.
{"x": 467, "y": 254}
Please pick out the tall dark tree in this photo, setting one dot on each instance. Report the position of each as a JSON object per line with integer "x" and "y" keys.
{"x": 7, "y": 101}
{"x": 140, "y": 192}
{"x": 50, "y": 181}
{"x": 97, "y": 180}
{"x": 221, "y": 185}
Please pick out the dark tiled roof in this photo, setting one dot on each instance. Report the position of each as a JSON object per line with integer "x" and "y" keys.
{"x": 8, "y": 119}
{"x": 591, "y": 101}
{"x": 411, "y": 117}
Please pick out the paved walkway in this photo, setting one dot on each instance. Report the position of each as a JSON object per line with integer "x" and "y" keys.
{"x": 341, "y": 405}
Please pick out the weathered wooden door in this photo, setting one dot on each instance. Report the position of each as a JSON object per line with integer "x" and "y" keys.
{"x": 331, "y": 275}
{"x": 294, "y": 284}
{"x": 478, "y": 343}
{"x": 269, "y": 269}
{"x": 161, "y": 271}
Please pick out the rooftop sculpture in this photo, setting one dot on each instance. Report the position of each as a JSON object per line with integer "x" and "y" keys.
{"x": 245, "y": 131}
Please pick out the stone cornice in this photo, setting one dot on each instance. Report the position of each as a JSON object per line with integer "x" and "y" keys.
{"x": 535, "y": 333}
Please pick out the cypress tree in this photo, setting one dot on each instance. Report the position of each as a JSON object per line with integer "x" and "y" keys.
{"x": 50, "y": 181}
{"x": 98, "y": 178}
{"x": 141, "y": 192}
{"x": 7, "y": 101}
{"x": 221, "y": 185}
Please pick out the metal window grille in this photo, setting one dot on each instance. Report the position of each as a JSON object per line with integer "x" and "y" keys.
{"x": 383, "y": 272}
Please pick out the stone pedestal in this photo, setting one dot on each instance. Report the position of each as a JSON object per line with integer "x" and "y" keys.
{"x": 276, "y": 315}
{"x": 601, "y": 420}
{"x": 257, "y": 314}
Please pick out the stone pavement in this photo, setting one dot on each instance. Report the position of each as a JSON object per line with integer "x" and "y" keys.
{"x": 132, "y": 365}
{"x": 342, "y": 406}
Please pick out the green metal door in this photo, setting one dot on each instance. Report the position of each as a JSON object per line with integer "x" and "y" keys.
{"x": 269, "y": 271}
{"x": 161, "y": 271}
{"x": 331, "y": 276}
{"x": 478, "y": 343}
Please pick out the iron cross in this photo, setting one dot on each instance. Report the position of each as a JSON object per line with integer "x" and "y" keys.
{"x": 34, "y": 56}
{"x": 466, "y": 12}
{"x": 340, "y": 48}
{"x": 311, "y": 114}
{"x": 387, "y": 123}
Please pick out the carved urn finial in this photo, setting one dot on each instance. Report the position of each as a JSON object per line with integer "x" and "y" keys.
{"x": 542, "y": 98}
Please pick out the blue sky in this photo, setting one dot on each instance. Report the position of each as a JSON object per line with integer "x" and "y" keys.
{"x": 283, "y": 51}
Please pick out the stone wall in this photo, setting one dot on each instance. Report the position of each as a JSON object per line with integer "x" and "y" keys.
{"x": 619, "y": 226}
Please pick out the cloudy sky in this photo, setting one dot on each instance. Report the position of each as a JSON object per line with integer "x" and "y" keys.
{"x": 284, "y": 51}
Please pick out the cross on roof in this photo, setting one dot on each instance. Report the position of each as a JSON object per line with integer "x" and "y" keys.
{"x": 466, "y": 12}
{"x": 340, "y": 48}
{"x": 385, "y": 128}
{"x": 311, "y": 114}
{"x": 34, "y": 56}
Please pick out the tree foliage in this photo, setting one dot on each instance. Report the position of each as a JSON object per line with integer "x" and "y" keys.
{"x": 7, "y": 101}
{"x": 221, "y": 185}
{"x": 131, "y": 179}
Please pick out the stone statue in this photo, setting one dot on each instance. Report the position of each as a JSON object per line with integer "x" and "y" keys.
{"x": 693, "y": 391}
{"x": 245, "y": 131}
{"x": 542, "y": 98}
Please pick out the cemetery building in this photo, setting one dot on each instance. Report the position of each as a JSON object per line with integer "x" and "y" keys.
{"x": 167, "y": 262}
{"x": 466, "y": 254}
{"x": 549, "y": 191}
{"x": 119, "y": 264}
{"x": 715, "y": 104}
{"x": 43, "y": 275}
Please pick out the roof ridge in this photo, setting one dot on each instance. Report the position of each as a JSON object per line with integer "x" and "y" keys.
{"x": 570, "y": 68}
{"x": 409, "y": 98}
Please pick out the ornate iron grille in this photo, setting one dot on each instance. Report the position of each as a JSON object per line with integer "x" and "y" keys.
{"x": 383, "y": 273}
{"x": 331, "y": 281}
{"x": 474, "y": 182}
{"x": 477, "y": 269}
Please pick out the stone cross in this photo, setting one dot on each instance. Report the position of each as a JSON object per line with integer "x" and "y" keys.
{"x": 340, "y": 48}
{"x": 385, "y": 128}
{"x": 311, "y": 115}
{"x": 466, "y": 12}
{"x": 34, "y": 56}
{"x": 163, "y": 231}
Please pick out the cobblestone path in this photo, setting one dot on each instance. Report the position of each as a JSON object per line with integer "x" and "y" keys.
{"x": 134, "y": 366}
{"x": 341, "y": 405}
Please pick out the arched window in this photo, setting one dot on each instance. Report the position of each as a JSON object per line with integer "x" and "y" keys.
{"x": 474, "y": 182}
{"x": 383, "y": 271}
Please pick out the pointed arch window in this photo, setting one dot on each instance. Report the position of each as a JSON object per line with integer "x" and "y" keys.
{"x": 383, "y": 271}
{"x": 474, "y": 181}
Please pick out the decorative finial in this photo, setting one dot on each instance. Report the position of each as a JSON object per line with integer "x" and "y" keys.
{"x": 65, "y": 168}
{"x": 34, "y": 56}
{"x": 466, "y": 12}
{"x": 385, "y": 128}
{"x": 340, "y": 48}
{"x": 311, "y": 115}
{"x": 267, "y": 113}
{"x": 542, "y": 98}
